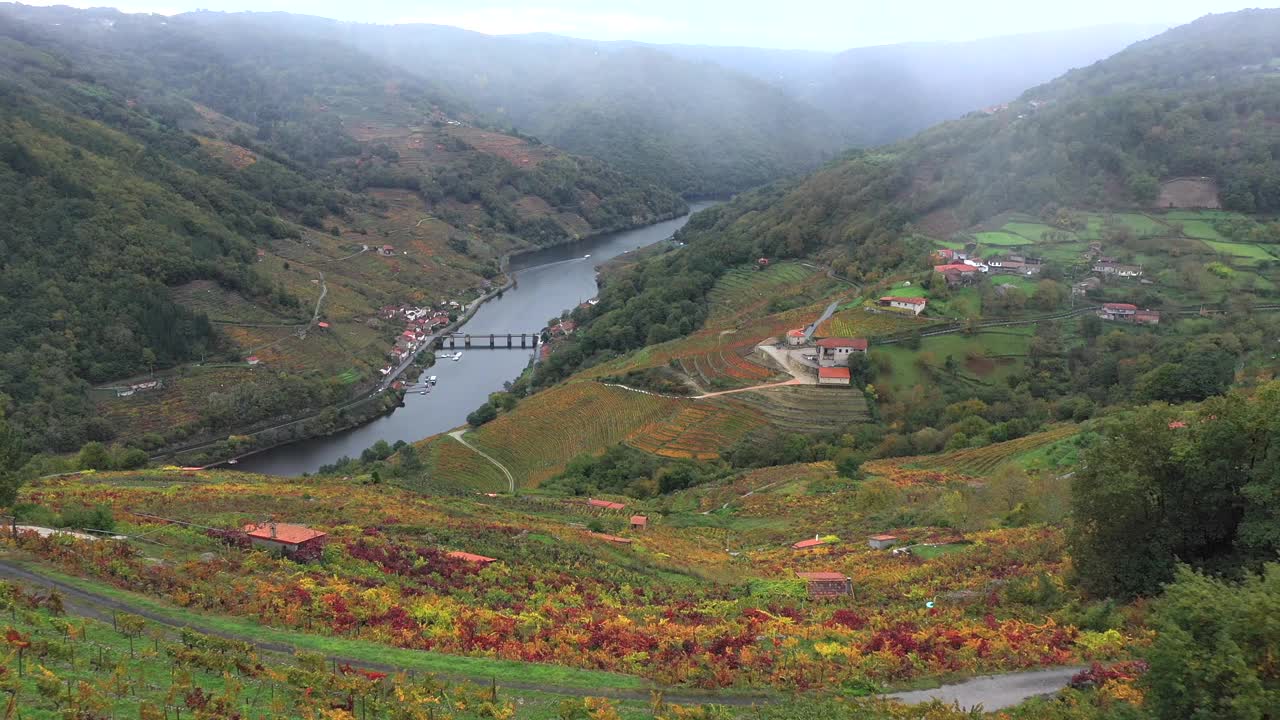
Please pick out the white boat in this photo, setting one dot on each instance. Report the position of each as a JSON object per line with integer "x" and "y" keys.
{"x": 232, "y": 461}
{"x": 584, "y": 257}
{"x": 432, "y": 379}
{"x": 457, "y": 356}
{"x": 423, "y": 392}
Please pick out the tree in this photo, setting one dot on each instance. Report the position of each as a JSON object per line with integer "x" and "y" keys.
{"x": 1214, "y": 654}
{"x": 94, "y": 456}
{"x": 10, "y": 461}
{"x": 482, "y": 415}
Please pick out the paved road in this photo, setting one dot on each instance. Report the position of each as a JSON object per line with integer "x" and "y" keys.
{"x": 511, "y": 480}
{"x": 994, "y": 692}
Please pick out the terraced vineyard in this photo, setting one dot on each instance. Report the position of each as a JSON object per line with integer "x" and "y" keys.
{"x": 807, "y": 408}
{"x": 545, "y": 431}
{"x": 972, "y": 462}
{"x": 724, "y": 368}
{"x": 857, "y": 322}
{"x": 452, "y": 465}
{"x": 700, "y": 430}
{"x": 746, "y": 292}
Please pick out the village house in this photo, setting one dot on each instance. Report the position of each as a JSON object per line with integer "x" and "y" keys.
{"x": 882, "y": 541}
{"x": 838, "y": 376}
{"x": 913, "y": 305}
{"x": 563, "y": 328}
{"x": 604, "y": 504}
{"x": 1108, "y": 266}
{"x": 1118, "y": 311}
{"x": 1082, "y": 288}
{"x": 826, "y": 584}
{"x": 388, "y": 250}
{"x": 253, "y": 360}
{"x": 283, "y": 538}
{"x": 836, "y": 351}
{"x": 639, "y": 522}
{"x": 795, "y": 338}
{"x": 950, "y": 255}
{"x": 1146, "y": 317}
{"x": 808, "y": 544}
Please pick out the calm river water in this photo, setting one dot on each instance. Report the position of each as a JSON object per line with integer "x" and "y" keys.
{"x": 548, "y": 282}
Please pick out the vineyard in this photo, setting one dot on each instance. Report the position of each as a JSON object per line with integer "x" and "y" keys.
{"x": 747, "y": 292}
{"x": 807, "y": 408}
{"x": 858, "y": 322}
{"x": 723, "y": 369}
{"x": 545, "y": 431}
{"x": 454, "y": 466}
{"x": 700, "y": 430}
{"x": 970, "y": 462}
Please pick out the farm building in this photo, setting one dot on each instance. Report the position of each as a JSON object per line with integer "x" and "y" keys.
{"x": 795, "y": 338}
{"x": 253, "y": 360}
{"x": 833, "y": 376}
{"x": 1118, "y": 311}
{"x": 961, "y": 268}
{"x": 836, "y": 351}
{"x": 826, "y": 584}
{"x": 283, "y": 537}
{"x": 609, "y": 538}
{"x": 808, "y": 544}
{"x": 1146, "y": 317}
{"x": 1110, "y": 267}
{"x": 322, "y": 325}
{"x": 914, "y": 305}
{"x": 950, "y": 255}
{"x": 604, "y": 504}
{"x": 388, "y": 250}
{"x": 1085, "y": 285}
{"x": 471, "y": 557}
{"x": 880, "y": 542}
{"x": 639, "y": 522}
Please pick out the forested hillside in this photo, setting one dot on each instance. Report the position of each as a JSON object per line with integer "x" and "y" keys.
{"x": 695, "y": 127}
{"x": 140, "y": 155}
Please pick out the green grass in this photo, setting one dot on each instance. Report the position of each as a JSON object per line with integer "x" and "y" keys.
{"x": 1200, "y": 229}
{"x": 931, "y": 552}
{"x": 480, "y": 669}
{"x": 1244, "y": 250}
{"x": 1141, "y": 225}
{"x": 912, "y": 290}
{"x": 1032, "y": 231}
{"x": 1001, "y": 238}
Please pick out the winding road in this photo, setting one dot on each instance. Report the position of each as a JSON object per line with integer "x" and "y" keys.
{"x": 511, "y": 480}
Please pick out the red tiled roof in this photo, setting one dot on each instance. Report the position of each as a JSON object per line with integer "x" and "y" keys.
{"x": 795, "y": 333}
{"x": 822, "y": 576}
{"x": 471, "y": 557}
{"x": 884, "y": 537}
{"x": 954, "y": 267}
{"x": 639, "y": 520}
{"x": 855, "y": 343}
{"x": 284, "y": 533}
{"x": 1120, "y": 306}
{"x": 1176, "y": 424}
{"x": 834, "y": 373}
{"x": 805, "y": 544}
{"x": 322, "y": 325}
{"x": 908, "y": 300}
{"x": 605, "y": 504}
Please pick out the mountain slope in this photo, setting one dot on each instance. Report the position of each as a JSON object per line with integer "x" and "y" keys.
{"x": 693, "y": 126}
{"x": 193, "y": 174}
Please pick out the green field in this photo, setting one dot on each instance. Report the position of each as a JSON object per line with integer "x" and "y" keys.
{"x": 1005, "y": 342}
{"x": 906, "y": 290}
{"x": 1002, "y": 239}
{"x": 1243, "y": 250}
{"x": 1031, "y": 231}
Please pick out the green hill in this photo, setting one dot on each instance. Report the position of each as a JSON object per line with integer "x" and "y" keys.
{"x": 158, "y": 173}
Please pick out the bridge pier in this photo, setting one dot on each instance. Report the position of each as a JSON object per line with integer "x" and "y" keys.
{"x": 466, "y": 341}
{"x": 452, "y": 340}
{"x": 491, "y": 340}
{"x": 509, "y": 340}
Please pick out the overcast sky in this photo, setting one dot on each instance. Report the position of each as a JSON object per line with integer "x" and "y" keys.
{"x": 803, "y": 24}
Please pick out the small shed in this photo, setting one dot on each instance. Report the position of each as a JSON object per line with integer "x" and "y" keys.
{"x": 808, "y": 544}
{"x": 639, "y": 522}
{"x": 880, "y": 542}
{"x": 833, "y": 376}
{"x": 388, "y": 250}
{"x": 253, "y": 360}
{"x": 826, "y": 584}
{"x": 471, "y": 557}
{"x": 605, "y": 504}
{"x": 322, "y": 325}
{"x": 283, "y": 538}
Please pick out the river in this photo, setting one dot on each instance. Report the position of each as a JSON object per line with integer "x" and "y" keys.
{"x": 548, "y": 282}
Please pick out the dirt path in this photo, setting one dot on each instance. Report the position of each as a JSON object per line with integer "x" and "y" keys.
{"x": 994, "y": 692}
{"x": 787, "y": 383}
{"x": 84, "y": 603}
{"x": 511, "y": 480}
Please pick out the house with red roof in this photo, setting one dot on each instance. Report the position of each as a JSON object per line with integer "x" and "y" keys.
{"x": 795, "y": 338}
{"x": 1118, "y": 311}
{"x": 253, "y": 360}
{"x": 808, "y": 544}
{"x": 882, "y": 541}
{"x": 609, "y": 538}
{"x": 322, "y": 325}
{"x": 604, "y": 504}
{"x": 838, "y": 376}
{"x": 1146, "y": 317}
{"x": 913, "y": 305}
{"x": 639, "y": 522}
{"x": 956, "y": 268}
{"x": 826, "y": 584}
{"x": 285, "y": 538}
{"x": 471, "y": 557}
{"x": 836, "y": 351}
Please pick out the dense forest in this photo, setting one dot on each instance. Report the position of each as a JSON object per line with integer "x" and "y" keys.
{"x": 110, "y": 198}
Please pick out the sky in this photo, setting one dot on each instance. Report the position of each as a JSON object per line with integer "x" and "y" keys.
{"x": 827, "y": 25}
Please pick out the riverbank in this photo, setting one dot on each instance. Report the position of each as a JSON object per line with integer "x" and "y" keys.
{"x": 541, "y": 284}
